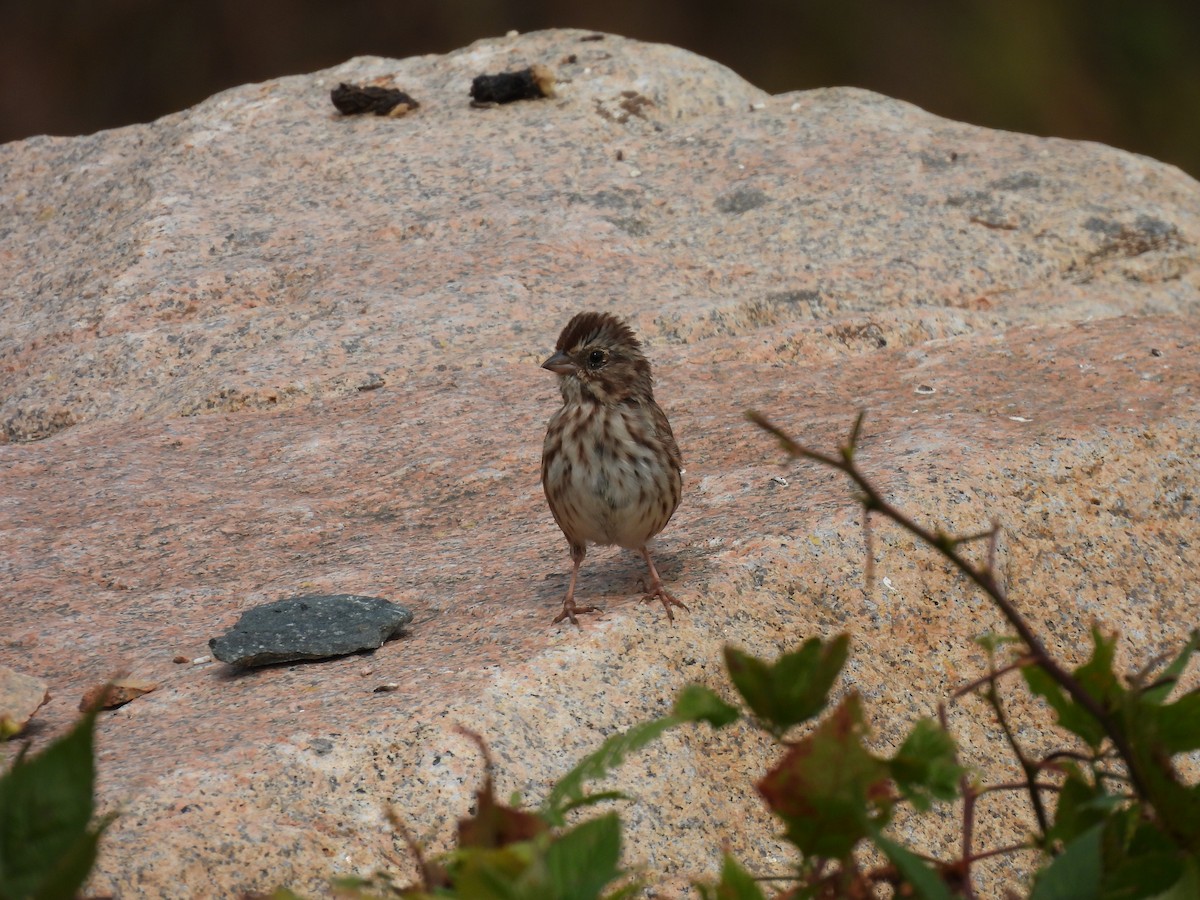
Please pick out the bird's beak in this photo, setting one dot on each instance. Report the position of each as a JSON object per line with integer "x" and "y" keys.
{"x": 559, "y": 364}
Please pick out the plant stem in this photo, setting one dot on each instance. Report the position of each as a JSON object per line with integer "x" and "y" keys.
{"x": 983, "y": 578}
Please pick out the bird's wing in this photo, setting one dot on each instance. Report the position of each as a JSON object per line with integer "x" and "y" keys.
{"x": 662, "y": 429}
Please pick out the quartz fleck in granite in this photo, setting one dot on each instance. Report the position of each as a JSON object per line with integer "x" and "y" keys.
{"x": 256, "y": 349}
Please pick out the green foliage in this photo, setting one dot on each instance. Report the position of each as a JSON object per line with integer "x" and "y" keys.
{"x": 1114, "y": 845}
{"x": 925, "y": 768}
{"x": 794, "y": 688}
{"x": 695, "y": 703}
{"x": 1082, "y": 806}
{"x": 921, "y": 879}
{"x": 829, "y": 790}
{"x": 584, "y": 861}
{"x": 1075, "y": 873}
{"x": 1123, "y": 826}
{"x": 735, "y": 884}
{"x": 1138, "y": 717}
{"x": 1096, "y": 674}
{"x": 579, "y": 863}
{"x": 568, "y": 793}
{"x": 1158, "y": 691}
{"x": 47, "y": 841}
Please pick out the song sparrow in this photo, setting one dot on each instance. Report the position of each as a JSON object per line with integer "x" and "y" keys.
{"x": 610, "y": 464}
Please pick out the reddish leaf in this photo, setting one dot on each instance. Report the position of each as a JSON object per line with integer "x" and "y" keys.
{"x": 496, "y": 825}
{"x": 829, "y": 790}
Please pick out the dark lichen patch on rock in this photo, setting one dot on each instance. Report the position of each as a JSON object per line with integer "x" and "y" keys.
{"x": 1144, "y": 235}
{"x": 741, "y": 200}
{"x": 36, "y": 424}
{"x": 313, "y": 626}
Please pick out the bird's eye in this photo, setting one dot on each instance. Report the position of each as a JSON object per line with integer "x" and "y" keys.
{"x": 596, "y": 359}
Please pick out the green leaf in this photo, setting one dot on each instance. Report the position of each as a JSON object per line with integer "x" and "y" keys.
{"x": 1156, "y": 875}
{"x": 697, "y": 703}
{"x": 74, "y": 866}
{"x": 991, "y": 642}
{"x": 1176, "y": 804}
{"x": 583, "y": 861}
{"x": 795, "y": 687}
{"x": 46, "y": 804}
{"x": 1076, "y": 873}
{"x": 1097, "y": 676}
{"x": 1170, "y": 675}
{"x": 1071, "y": 715}
{"x": 1177, "y": 725}
{"x": 925, "y": 767}
{"x": 594, "y": 799}
{"x": 1188, "y": 885}
{"x": 568, "y": 792}
{"x": 925, "y": 881}
{"x": 736, "y": 883}
{"x": 1081, "y": 806}
{"x": 513, "y": 872}
{"x": 829, "y": 790}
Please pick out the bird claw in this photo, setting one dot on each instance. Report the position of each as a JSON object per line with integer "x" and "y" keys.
{"x": 661, "y": 594}
{"x": 570, "y": 609}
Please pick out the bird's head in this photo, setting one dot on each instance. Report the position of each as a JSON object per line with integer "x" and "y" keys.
{"x": 599, "y": 358}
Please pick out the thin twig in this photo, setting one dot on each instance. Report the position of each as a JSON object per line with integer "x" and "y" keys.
{"x": 1027, "y": 766}
{"x": 992, "y": 545}
{"x": 1012, "y": 848}
{"x": 1016, "y": 664}
{"x": 869, "y": 543}
{"x": 1017, "y": 786}
{"x": 985, "y": 580}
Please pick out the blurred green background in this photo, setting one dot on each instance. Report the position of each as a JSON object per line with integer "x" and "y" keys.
{"x": 1124, "y": 73}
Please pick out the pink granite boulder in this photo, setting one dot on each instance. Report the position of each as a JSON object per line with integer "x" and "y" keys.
{"x": 257, "y": 348}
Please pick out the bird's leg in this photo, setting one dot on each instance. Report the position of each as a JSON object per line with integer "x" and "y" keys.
{"x": 569, "y": 608}
{"x": 657, "y": 590}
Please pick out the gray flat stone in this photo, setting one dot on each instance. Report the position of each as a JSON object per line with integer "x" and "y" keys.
{"x": 314, "y": 626}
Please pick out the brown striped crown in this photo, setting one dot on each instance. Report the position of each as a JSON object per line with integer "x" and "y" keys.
{"x": 587, "y": 328}
{"x": 598, "y": 358}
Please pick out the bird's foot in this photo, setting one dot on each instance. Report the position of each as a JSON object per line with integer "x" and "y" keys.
{"x": 570, "y": 609}
{"x": 660, "y": 593}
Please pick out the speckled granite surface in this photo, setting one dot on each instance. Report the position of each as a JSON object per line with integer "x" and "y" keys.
{"x": 264, "y": 350}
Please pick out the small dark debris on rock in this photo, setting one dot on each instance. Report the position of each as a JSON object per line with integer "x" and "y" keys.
{"x": 356, "y": 100}
{"x": 528, "y": 84}
{"x": 592, "y": 37}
